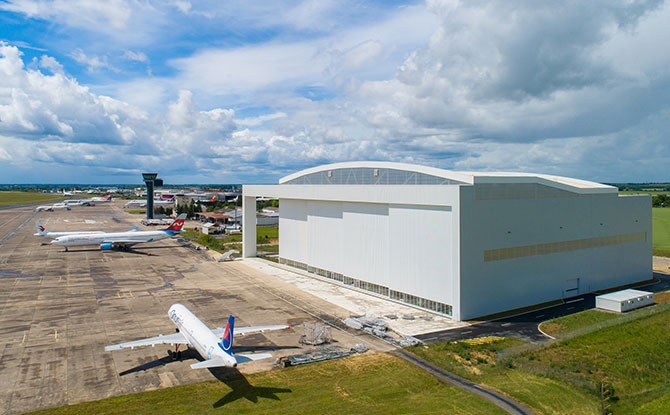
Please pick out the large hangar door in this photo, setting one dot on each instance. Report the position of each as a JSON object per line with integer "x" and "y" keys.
{"x": 293, "y": 230}
{"x": 421, "y": 251}
{"x": 325, "y": 235}
{"x": 365, "y": 247}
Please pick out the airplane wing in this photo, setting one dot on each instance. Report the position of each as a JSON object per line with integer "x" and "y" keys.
{"x": 125, "y": 242}
{"x": 176, "y": 338}
{"x": 251, "y": 329}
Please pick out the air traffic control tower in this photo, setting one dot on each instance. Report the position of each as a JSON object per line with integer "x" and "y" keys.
{"x": 151, "y": 179}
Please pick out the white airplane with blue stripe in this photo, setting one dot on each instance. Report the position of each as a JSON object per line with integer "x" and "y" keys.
{"x": 215, "y": 346}
{"x": 120, "y": 240}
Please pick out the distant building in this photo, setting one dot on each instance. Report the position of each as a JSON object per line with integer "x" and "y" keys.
{"x": 464, "y": 244}
{"x": 213, "y": 217}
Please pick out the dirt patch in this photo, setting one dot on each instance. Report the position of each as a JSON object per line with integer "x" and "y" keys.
{"x": 551, "y": 328}
{"x": 662, "y": 298}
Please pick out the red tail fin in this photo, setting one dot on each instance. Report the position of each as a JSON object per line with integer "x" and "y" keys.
{"x": 177, "y": 224}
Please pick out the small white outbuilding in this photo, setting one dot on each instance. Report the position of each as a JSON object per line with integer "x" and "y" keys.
{"x": 626, "y": 300}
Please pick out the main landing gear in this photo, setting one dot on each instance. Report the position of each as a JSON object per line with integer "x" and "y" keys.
{"x": 176, "y": 355}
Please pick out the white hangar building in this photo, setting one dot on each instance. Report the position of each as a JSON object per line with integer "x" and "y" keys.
{"x": 465, "y": 244}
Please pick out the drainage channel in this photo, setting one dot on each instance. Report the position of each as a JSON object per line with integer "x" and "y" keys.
{"x": 6, "y": 238}
{"x": 17, "y": 275}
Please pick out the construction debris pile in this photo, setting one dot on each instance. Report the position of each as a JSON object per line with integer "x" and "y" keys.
{"x": 380, "y": 328}
{"x": 316, "y": 334}
{"x": 322, "y": 353}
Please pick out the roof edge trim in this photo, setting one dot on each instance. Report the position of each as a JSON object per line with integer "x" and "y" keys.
{"x": 433, "y": 171}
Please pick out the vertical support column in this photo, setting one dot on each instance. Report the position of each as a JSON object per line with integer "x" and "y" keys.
{"x": 248, "y": 225}
{"x": 150, "y": 199}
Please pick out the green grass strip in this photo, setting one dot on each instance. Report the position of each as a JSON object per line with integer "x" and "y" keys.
{"x": 369, "y": 384}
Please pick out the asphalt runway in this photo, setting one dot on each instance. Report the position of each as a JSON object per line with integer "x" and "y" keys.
{"x": 60, "y": 309}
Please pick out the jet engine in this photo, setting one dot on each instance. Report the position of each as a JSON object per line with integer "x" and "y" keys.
{"x": 106, "y": 247}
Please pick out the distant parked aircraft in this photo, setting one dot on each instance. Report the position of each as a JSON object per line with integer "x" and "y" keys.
{"x": 120, "y": 240}
{"x": 216, "y": 346}
{"x": 102, "y": 199}
{"x": 214, "y": 199}
{"x": 50, "y": 208}
{"x": 143, "y": 203}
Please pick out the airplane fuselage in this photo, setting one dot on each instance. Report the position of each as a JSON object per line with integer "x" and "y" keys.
{"x": 111, "y": 238}
{"x": 59, "y": 234}
{"x": 199, "y": 335}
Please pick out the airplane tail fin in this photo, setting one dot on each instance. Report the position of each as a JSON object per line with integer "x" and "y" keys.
{"x": 213, "y": 198}
{"x": 108, "y": 197}
{"x": 41, "y": 230}
{"x": 227, "y": 339}
{"x": 177, "y": 224}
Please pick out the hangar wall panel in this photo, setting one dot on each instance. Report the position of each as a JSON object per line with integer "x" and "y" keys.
{"x": 293, "y": 230}
{"x": 580, "y": 226}
{"x": 421, "y": 251}
{"x": 325, "y": 235}
{"x": 365, "y": 237}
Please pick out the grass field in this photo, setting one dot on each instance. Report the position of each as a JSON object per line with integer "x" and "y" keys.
{"x": 264, "y": 235}
{"x": 563, "y": 377}
{"x": 369, "y": 384}
{"x": 136, "y": 211}
{"x": 478, "y": 362}
{"x": 660, "y": 218}
{"x": 571, "y": 322}
{"x": 11, "y": 198}
{"x": 643, "y": 192}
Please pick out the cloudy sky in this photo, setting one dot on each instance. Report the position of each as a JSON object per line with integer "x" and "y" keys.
{"x": 246, "y": 92}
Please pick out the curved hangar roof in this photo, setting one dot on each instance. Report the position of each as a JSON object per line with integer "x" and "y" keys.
{"x": 388, "y": 173}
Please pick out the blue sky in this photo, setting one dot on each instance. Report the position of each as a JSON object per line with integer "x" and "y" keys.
{"x": 246, "y": 92}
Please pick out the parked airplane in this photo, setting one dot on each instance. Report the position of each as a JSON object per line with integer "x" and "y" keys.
{"x": 142, "y": 203}
{"x": 102, "y": 199}
{"x": 50, "y": 208}
{"x": 214, "y": 199}
{"x": 120, "y": 240}
{"x": 216, "y": 346}
{"x": 42, "y": 231}
{"x": 139, "y": 202}
{"x": 89, "y": 202}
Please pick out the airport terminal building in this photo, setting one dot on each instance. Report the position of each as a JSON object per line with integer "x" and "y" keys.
{"x": 464, "y": 244}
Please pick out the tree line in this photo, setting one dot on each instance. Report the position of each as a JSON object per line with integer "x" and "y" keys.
{"x": 660, "y": 201}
